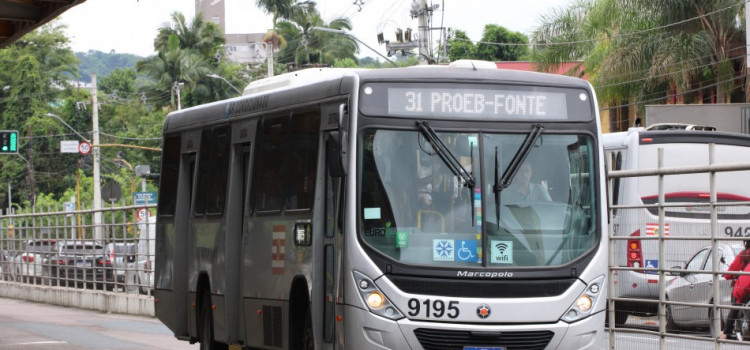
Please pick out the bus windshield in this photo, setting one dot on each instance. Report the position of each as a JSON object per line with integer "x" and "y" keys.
{"x": 416, "y": 210}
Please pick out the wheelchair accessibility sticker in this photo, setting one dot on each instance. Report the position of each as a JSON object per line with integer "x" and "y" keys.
{"x": 466, "y": 250}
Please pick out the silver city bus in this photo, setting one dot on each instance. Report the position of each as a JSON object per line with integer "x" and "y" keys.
{"x": 441, "y": 207}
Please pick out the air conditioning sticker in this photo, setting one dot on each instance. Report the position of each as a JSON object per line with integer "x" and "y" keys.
{"x": 442, "y": 249}
{"x": 502, "y": 252}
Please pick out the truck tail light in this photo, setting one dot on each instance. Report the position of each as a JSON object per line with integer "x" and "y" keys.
{"x": 635, "y": 254}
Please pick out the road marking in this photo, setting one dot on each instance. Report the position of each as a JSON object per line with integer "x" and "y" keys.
{"x": 38, "y": 343}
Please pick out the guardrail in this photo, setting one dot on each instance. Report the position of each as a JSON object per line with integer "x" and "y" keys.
{"x": 698, "y": 292}
{"x": 64, "y": 253}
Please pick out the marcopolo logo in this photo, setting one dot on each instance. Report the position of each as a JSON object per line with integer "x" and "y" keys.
{"x": 485, "y": 274}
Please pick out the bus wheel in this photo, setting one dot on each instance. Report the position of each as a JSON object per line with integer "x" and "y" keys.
{"x": 307, "y": 334}
{"x": 206, "y": 331}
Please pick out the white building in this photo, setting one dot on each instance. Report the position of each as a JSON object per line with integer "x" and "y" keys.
{"x": 240, "y": 48}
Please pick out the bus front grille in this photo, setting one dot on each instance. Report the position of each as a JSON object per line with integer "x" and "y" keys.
{"x": 482, "y": 288}
{"x": 441, "y": 339}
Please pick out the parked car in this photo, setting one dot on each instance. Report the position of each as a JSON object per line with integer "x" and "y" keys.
{"x": 83, "y": 262}
{"x": 123, "y": 256}
{"x": 690, "y": 287}
{"x": 32, "y": 263}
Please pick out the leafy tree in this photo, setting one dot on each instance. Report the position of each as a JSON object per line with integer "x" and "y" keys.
{"x": 491, "y": 47}
{"x": 460, "y": 46}
{"x": 285, "y": 9}
{"x": 639, "y": 51}
{"x": 32, "y": 70}
{"x": 308, "y": 46}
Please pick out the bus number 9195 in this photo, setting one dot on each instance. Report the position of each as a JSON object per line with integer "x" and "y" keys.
{"x": 433, "y": 308}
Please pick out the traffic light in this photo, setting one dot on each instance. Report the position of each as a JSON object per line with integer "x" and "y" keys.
{"x": 8, "y": 141}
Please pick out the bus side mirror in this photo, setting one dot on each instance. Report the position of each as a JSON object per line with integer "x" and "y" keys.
{"x": 336, "y": 150}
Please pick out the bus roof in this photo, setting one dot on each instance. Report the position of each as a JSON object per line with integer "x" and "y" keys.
{"x": 327, "y": 83}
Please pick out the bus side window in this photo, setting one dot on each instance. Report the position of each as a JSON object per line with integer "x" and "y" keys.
{"x": 213, "y": 163}
{"x": 302, "y": 142}
{"x": 270, "y": 159}
{"x": 170, "y": 170}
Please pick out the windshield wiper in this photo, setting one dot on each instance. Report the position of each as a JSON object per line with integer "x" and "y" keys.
{"x": 450, "y": 160}
{"x": 445, "y": 154}
{"x": 518, "y": 158}
{"x": 515, "y": 164}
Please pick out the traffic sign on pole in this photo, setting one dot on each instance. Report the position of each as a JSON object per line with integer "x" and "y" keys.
{"x": 84, "y": 148}
{"x": 69, "y": 146}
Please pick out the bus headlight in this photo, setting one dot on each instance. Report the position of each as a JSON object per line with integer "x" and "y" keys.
{"x": 583, "y": 306}
{"x": 374, "y": 298}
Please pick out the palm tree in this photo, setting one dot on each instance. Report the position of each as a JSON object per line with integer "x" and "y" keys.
{"x": 305, "y": 45}
{"x": 204, "y": 37}
{"x": 643, "y": 51}
{"x": 285, "y": 9}
{"x": 175, "y": 65}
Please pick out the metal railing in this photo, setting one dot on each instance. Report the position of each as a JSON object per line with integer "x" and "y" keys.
{"x": 648, "y": 308}
{"x": 57, "y": 248}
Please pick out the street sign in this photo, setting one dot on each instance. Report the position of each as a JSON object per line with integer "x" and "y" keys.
{"x": 111, "y": 192}
{"x": 69, "y": 146}
{"x": 143, "y": 214}
{"x": 144, "y": 198}
{"x": 84, "y": 148}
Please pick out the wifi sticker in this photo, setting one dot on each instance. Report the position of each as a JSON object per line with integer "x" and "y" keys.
{"x": 502, "y": 252}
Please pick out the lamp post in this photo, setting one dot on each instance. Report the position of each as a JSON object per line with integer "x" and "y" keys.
{"x": 339, "y": 31}
{"x": 216, "y": 76}
{"x": 177, "y": 86}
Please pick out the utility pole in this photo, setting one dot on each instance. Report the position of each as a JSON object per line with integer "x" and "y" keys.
{"x": 95, "y": 150}
{"x": 424, "y": 32}
{"x": 31, "y": 169}
{"x": 269, "y": 54}
{"x": 422, "y": 12}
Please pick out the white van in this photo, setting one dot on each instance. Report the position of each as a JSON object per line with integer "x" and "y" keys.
{"x": 146, "y": 252}
{"x": 637, "y": 149}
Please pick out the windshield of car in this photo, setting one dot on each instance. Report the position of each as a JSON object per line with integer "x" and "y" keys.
{"x": 82, "y": 249}
{"x": 40, "y": 247}
{"x": 415, "y": 210}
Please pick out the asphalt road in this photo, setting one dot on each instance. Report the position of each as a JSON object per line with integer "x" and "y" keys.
{"x": 26, "y": 326}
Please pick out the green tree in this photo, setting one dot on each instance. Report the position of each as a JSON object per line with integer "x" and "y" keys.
{"x": 308, "y": 46}
{"x": 188, "y": 53}
{"x": 32, "y": 70}
{"x": 460, "y": 46}
{"x": 500, "y": 44}
{"x": 285, "y": 9}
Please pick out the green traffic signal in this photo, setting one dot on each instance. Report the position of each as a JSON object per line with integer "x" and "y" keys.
{"x": 8, "y": 141}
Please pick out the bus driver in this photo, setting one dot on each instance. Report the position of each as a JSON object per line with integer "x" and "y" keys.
{"x": 522, "y": 189}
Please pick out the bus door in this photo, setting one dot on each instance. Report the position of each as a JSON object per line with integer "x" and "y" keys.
{"x": 332, "y": 243}
{"x": 335, "y": 158}
{"x": 238, "y": 234}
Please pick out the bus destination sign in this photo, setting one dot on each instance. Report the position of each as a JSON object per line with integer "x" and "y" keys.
{"x": 473, "y": 103}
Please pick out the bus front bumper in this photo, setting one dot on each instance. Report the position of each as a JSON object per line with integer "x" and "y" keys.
{"x": 367, "y": 331}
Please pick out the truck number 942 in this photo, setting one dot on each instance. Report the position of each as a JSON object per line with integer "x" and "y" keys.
{"x": 738, "y": 231}
{"x": 433, "y": 308}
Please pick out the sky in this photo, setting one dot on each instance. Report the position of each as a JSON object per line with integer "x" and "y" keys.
{"x": 130, "y": 26}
